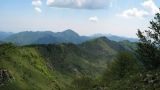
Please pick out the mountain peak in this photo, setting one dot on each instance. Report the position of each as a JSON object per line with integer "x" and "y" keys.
{"x": 70, "y": 32}
{"x": 103, "y": 38}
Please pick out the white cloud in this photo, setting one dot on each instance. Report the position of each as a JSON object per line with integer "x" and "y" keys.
{"x": 37, "y": 4}
{"x": 150, "y": 9}
{"x": 93, "y": 19}
{"x": 38, "y": 9}
{"x": 134, "y": 12}
{"x": 79, "y": 4}
{"x": 151, "y": 6}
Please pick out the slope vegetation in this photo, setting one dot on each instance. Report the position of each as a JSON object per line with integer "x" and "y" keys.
{"x": 53, "y": 67}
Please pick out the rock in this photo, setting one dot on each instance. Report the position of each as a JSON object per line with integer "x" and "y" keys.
{"x": 4, "y": 76}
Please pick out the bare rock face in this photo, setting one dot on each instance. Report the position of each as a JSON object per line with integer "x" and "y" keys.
{"x": 5, "y": 76}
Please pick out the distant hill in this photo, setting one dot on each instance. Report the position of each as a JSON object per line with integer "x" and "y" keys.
{"x": 1, "y": 42}
{"x": 53, "y": 66}
{"x": 46, "y": 37}
{"x": 115, "y": 38}
{"x": 27, "y": 37}
{"x": 102, "y": 45}
{"x": 4, "y": 35}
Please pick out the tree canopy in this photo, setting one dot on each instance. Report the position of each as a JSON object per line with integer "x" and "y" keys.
{"x": 149, "y": 44}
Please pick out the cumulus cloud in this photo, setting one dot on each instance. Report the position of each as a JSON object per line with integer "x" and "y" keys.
{"x": 37, "y": 5}
{"x": 150, "y": 9}
{"x": 79, "y": 4}
{"x": 134, "y": 12}
{"x": 38, "y": 9}
{"x": 93, "y": 19}
{"x": 151, "y": 6}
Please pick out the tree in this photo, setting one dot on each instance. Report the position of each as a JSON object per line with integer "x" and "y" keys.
{"x": 124, "y": 65}
{"x": 149, "y": 44}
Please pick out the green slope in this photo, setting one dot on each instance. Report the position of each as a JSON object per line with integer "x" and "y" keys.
{"x": 103, "y": 49}
{"x": 28, "y": 68}
{"x": 53, "y": 67}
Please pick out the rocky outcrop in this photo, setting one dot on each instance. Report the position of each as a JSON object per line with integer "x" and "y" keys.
{"x": 5, "y": 76}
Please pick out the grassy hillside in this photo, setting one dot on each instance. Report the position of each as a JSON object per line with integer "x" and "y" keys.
{"x": 53, "y": 67}
{"x": 28, "y": 68}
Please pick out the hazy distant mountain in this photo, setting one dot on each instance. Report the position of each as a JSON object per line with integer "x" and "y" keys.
{"x": 27, "y": 37}
{"x": 1, "y": 42}
{"x": 4, "y": 35}
{"x": 115, "y": 38}
{"x": 45, "y": 37}
{"x": 48, "y": 37}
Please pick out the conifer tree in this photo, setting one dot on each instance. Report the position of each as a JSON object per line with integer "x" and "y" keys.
{"x": 149, "y": 44}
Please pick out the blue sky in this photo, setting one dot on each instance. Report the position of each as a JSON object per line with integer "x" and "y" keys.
{"x": 87, "y": 17}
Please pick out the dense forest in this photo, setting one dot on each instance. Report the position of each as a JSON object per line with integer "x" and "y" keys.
{"x": 97, "y": 64}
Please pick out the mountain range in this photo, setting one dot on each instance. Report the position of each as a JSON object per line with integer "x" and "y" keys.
{"x": 4, "y": 35}
{"x": 48, "y": 37}
{"x": 54, "y": 66}
{"x": 115, "y": 38}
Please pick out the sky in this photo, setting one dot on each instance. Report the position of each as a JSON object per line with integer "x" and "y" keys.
{"x": 86, "y": 17}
